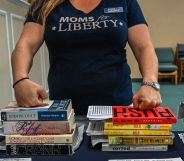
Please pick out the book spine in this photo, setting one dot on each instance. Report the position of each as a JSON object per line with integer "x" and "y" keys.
{"x": 142, "y": 121}
{"x": 61, "y": 104}
{"x": 36, "y": 127}
{"x": 106, "y": 147}
{"x": 33, "y": 115}
{"x": 40, "y": 139}
{"x": 39, "y": 149}
{"x": 137, "y": 132}
{"x": 111, "y": 126}
{"x": 141, "y": 140}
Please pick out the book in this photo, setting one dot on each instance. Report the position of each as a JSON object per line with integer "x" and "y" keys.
{"x": 39, "y": 127}
{"x": 163, "y": 159}
{"x": 141, "y": 140}
{"x": 99, "y": 112}
{"x": 130, "y": 115}
{"x": 39, "y": 149}
{"x": 117, "y": 148}
{"x": 16, "y": 159}
{"x": 95, "y": 128}
{"x": 55, "y": 110}
{"x": 98, "y": 140}
{"x": 108, "y": 125}
{"x": 41, "y": 139}
{"x": 137, "y": 132}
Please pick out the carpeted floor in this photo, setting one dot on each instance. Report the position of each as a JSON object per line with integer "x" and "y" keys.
{"x": 172, "y": 95}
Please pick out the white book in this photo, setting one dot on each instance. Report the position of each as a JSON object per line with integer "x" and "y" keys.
{"x": 165, "y": 159}
{"x": 99, "y": 112}
{"x": 117, "y": 148}
{"x": 16, "y": 159}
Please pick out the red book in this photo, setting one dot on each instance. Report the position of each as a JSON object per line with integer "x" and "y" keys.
{"x": 129, "y": 115}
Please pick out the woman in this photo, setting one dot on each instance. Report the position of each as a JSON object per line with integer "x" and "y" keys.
{"x": 86, "y": 41}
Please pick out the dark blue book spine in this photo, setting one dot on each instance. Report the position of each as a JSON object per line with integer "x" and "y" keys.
{"x": 52, "y": 115}
{"x": 33, "y": 115}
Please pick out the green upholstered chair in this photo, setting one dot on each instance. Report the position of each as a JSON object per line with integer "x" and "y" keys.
{"x": 167, "y": 66}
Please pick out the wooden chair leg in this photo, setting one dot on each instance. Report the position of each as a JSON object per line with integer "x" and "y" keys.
{"x": 180, "y": 72}
{"x": 176, "y": 78}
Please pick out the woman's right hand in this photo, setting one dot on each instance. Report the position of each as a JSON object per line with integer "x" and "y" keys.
{"x": 29, "y": 94}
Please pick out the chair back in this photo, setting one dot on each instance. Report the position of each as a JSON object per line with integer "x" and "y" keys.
{"x": 165, "y": 55}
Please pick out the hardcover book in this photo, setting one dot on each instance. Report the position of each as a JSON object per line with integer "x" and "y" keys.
{"x": 55, "y": 110}
{"x": 130, "y": 115}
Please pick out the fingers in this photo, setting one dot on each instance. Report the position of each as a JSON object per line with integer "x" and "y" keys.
{"x": 135, "y": 102}
{"x": 145, "y": 103}
{"x": 42, "y": 94}
{"x": 30, "y": 94}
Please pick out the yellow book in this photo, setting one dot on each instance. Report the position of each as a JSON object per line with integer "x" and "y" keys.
{"x": 141, "y": 140}
{"x": 137, "y": 132}
{"x": 108, "y": 125}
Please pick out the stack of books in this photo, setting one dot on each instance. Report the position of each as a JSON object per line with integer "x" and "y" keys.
{"x": 48, "y": 130}
{"x": 134, "y": 130}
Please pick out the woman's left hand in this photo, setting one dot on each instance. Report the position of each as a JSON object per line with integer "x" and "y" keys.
{"x": 146, "y": 98}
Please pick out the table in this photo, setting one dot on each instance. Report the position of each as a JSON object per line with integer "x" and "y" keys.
{"x": 87, "y": 153}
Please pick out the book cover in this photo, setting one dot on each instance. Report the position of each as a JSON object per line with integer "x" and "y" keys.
{"x": 130, "y": 115}
{"x": 108, "y": 125}
{"x": 39, "y": 127}
{"x": 55, "y": 110}
{"x": 141, "y": 140}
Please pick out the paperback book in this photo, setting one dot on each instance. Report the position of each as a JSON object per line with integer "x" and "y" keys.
{"x": 55, "y": 110}
{"x": 39, "y": 127}
{"x": 41, "y": 139}
{"x": 130, "y": 115}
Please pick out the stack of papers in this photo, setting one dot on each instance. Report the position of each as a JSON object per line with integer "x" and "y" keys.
{"x": 99, "y": 112}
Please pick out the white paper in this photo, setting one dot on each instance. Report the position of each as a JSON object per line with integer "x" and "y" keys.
{"x": 166, "y": 159}
{"x": 78, "y": 137}
{"x": 99, "y": 112}
{"x": 98, "y": 139}
{"x": 95, "y": 128}
{"x": 181, "y": 135}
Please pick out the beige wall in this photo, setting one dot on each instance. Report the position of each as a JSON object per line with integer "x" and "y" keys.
{"x": 166, "y": 24}
{"x": 12, "y": 17}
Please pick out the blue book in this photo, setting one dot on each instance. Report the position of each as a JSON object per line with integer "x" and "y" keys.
{"x": 54, "y": 110}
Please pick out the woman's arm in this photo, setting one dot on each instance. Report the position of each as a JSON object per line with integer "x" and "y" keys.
{"x": 142, "y": 47}
{"x": 27, "y": 92}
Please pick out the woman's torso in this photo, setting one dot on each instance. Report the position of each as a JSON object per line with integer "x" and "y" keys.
{"x": 87, "y": 56}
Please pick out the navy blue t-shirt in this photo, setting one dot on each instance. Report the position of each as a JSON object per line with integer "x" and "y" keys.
{"x": 86, "y": 53}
